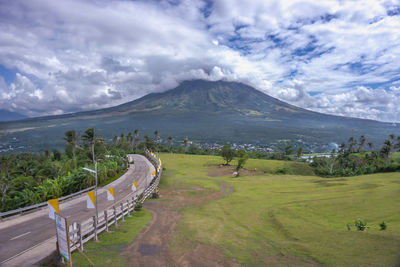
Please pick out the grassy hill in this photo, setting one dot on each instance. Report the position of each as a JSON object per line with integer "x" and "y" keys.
{"x": 262, "y": 219}
{"x": 203, "y": 111}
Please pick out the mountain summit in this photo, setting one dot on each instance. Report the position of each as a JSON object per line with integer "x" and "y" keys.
{"x": 204, "y": 111}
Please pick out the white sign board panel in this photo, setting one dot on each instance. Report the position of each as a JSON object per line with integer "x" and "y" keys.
{"x": 62, "y": 236}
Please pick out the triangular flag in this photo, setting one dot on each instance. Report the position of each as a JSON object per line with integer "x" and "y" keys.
{"x": 53, "y": 207}
{"x": 110, "y": 194}
{"x": 90, "y": 202}
{"x": 134, "y": 186}
{"x": 154, "y": 173}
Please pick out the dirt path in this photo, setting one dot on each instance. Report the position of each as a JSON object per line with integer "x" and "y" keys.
{"x": 152, "y": 246}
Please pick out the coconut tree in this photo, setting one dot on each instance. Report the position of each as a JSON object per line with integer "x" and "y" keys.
{"x": 342, "y": 147}
{"x": 385, "y": 151}
{"x": 371, "y": 146}
{"x": 362, "y": 142}
{"x": 71, "y": 137}
{"x": 115, "y": 140}
{"x": 129, "y": 139}
{"x": 352, "y": 144}
{"x": 185, "y": 142}
{"x": 91, "y": 140}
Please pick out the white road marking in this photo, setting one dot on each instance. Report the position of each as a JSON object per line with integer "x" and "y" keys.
{"x": 22, "y": 252}
{"x": 20, "y": 236}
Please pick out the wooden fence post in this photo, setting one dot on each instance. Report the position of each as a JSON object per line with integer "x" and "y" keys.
{"x": 80, "y": 236}
{"x": 129, "y": 210}
{"x": 122, "y": 211}
{"x": 106, "y": 218}
{"x": 115, "y": 216}
{"x": 95, "y": 228}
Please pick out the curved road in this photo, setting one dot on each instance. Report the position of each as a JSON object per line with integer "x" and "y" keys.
{"x": 25, "y": 239}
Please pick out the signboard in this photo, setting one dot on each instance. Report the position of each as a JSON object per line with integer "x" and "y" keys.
{"x": 110, "y": 194}
{"x": 134, "y": 186}
{"x": 63, "y": 237}
{"x": 53, "y": 207}
{"x": 90, "y": 200}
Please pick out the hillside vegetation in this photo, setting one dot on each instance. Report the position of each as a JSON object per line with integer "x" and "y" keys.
{"x": 287, "y": 219}
{"x": 205, "y": 111}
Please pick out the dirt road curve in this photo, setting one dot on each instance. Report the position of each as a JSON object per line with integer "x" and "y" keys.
{"x": 152, "y": 246}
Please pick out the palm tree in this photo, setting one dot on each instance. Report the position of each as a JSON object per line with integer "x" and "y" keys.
{"x": 91, "y": 139}
{"x": 385, "y": 150}
{"x": 370, "y": 146}
{"x": 129, "y": 139}
{"x": 115, "y": 140}
{"x": 121, "y": 138}
{"x": 342, "y": 147}
{"x": 362, "y": 142}
{"x": 185, "y": 142}
{"x": 72, "y": 139}
{"x": 352, "y": 143}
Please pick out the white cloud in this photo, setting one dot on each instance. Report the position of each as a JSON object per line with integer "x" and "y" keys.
{"x": 79, "y": 55}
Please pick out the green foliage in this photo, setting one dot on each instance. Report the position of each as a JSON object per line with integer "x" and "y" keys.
{"x": 242, "y": 158}
{"x": 27, "y": 179}
{"x": 360, "y": 224}
{"x": 138, "y": 206}
{"x": 108, "y": 251}
{"x": 227, "y": 153}
{"x": 383, "y": 226}
{"x": 348, "y": 162}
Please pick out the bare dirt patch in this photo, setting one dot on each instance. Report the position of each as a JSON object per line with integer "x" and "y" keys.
{"x": 152, "y": 246}
{"x": 223, "y": 170}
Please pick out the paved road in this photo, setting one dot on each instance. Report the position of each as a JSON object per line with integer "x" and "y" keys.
{"x": 26, "y": 232}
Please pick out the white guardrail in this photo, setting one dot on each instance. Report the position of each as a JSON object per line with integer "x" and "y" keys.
{"x": 83, "y": 232}
{"x": 39, "y": 205}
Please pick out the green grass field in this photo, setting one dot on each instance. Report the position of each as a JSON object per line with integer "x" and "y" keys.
{"x": 107, "y": 252}
{"x": 290, "y": 219}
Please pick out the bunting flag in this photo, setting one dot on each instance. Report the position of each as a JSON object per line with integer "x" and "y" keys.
{"x": 134, "y": 186}
{"x": 154, "y": 173}
{"x": 53, "y": 207}
{"x": 90, "y": 202}
{"x": 110, "y": 194}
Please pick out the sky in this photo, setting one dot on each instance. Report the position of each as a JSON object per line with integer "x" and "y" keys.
{"x": 336, "y": 57}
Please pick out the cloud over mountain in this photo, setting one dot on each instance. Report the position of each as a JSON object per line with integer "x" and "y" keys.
{"x": 332, "y": 56}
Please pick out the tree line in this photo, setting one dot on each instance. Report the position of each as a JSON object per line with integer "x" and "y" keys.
{"x": 357, "y": 157}
{"x": 27, "y": 178}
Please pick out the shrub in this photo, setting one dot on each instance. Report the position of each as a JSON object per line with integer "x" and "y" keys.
{"x": 360, "y": 224}
{"x": 383, "y": 226}
{"x": 138, "y": 206}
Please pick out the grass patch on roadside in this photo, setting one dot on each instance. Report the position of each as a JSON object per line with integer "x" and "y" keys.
{"x": 283, "y": 220}
{"x": 106, "y": 251}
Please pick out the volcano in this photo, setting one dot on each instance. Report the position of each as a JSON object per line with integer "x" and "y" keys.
{"x": 203, "y": 111}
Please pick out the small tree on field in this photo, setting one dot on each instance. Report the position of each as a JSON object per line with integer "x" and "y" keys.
{"x": 299, "y": 152}
{"x": 242, "y": 158}
{"x": 227, "y": 153}
{"x": 288, "y": 150}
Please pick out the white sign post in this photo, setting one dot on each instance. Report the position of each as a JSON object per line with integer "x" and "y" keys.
{"x": 63, "y": 238}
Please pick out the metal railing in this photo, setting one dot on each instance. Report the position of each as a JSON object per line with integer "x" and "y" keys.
{"x": 80, "y": 233}
{"x": 39, "y": 205}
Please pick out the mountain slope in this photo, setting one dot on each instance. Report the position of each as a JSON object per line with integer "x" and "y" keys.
{"x": 204, "y": 111}
{"x": 6, "y": 115}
